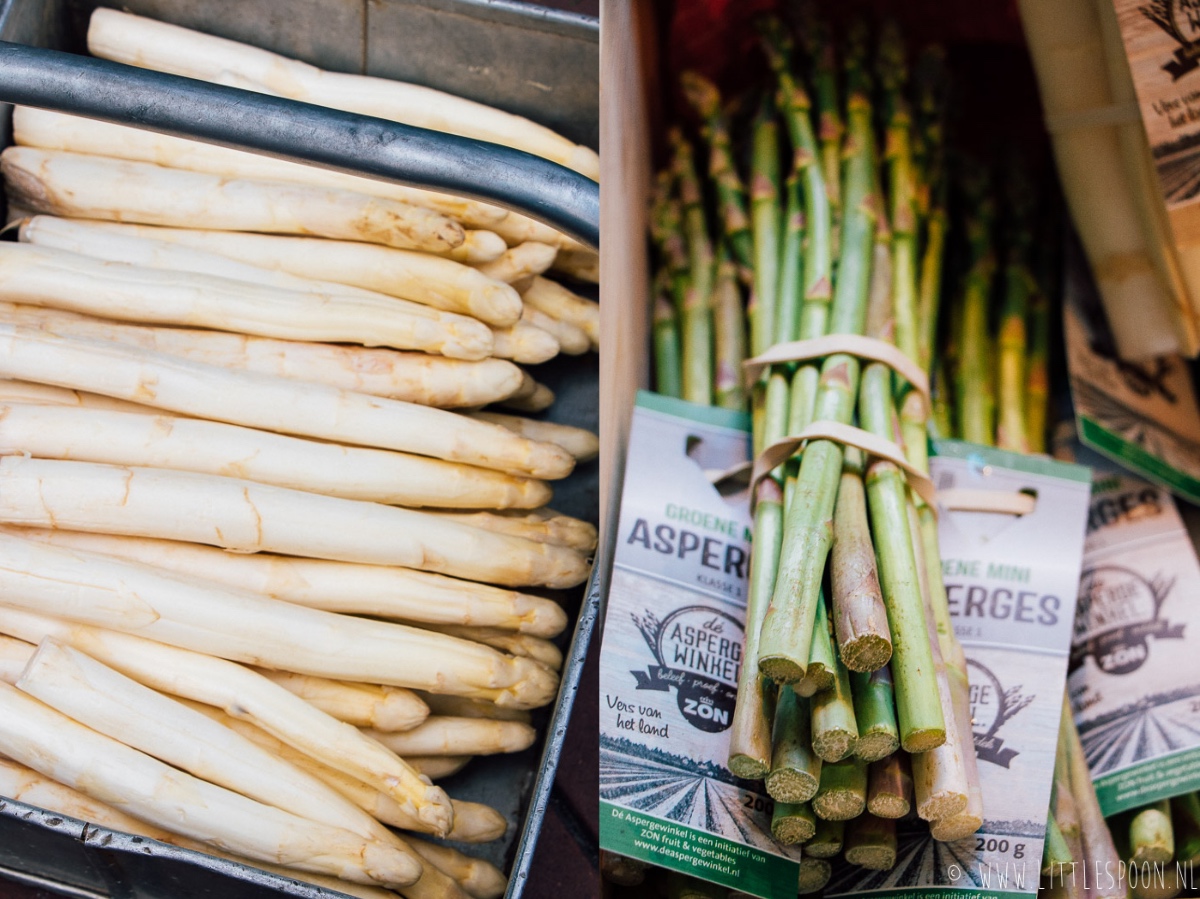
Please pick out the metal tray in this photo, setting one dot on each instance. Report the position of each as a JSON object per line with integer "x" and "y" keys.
{"x": 522, "y": 58}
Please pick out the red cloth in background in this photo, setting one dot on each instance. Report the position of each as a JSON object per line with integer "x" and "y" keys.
{"x": 995, "y": 92}
{"x": 716, "y": 37}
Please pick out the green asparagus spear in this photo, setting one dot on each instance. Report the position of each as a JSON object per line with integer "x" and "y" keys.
{"x": 787, "y": 629}
{"x": 795, "y": 767}
{"x": 702, "y": 94}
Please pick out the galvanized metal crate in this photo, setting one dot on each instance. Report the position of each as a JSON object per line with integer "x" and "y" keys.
{"x": 530, "y": 60}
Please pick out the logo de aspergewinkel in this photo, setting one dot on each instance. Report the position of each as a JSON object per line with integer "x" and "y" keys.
{"x": 699, "y": 654}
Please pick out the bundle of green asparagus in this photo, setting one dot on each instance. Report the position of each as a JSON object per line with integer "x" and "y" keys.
{"x": 256, "y": 491}
{"x": 989, "y": 363}
{"x": 852, "y": 704}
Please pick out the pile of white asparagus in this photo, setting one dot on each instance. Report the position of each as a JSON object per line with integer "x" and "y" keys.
{"x": 260, "y": 543}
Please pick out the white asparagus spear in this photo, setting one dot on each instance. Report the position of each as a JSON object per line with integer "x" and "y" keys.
{"x": 564, "y": 305}
{"x": 456, "y": 736}
{"x": 522, "y": 261}
{"x": 562, "y": 530}
{"x": 517, "y": 229}
{"x": 579, "y": 442}
{"x": 14, "y": 655}
{"x": 530, "y": 388}
{"x": 26, "y": 785}
{"x": 50, "y": 742}
{"x": 156, "y": 45}
{"x": 363, "y": 705}
{"x": 76, "y": 185}
{"x": 571, "y": 340}
{"x": 480, "y": 879}
{"x": 411, "y": 377}
{"x": 376, "y": 590}
{"x": 524, "y": 343}
{"x": 246, "y": 627}
{"x": 442, "y": 283}
{"x": 473, "y": 821}
{"x": 295, "y": 263}
{"x": 539, "y": 399}
{"x": 177, "y": 733}
{"x": 57, "y": 131}
{"x": 248, "y": 517}
{"x": 542, "y": 651}
{"x": 59, "y": 279}
{"x": 86, "y": 239}
{"x": 437, "y": 767}
{"x": 48, "y": 395}
{"x": 581, "y": 264}
{"x": 270, "y": 403}
{"x": 464, "y": 707}
{"x": 113, "y": 704}
{"x": 245, "y": 695}
{"x": 478, "y": 248}
{"x": 146, "y": 439}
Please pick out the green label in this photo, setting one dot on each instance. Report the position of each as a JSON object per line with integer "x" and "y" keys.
{"x": 698, "y": 854}
{"x": 1139, "y": 460}
{"x": 1166, "y": 776}
{"x": 932, "y": 892}
{"x": 708, "y": 415}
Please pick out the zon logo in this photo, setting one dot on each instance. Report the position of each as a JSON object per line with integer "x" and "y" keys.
{"x": 1118, "y": 611}
{"x": 699, "y": 654}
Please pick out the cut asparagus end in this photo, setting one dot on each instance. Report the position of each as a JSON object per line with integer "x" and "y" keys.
{"x": 843, "y": 791}
{"x": 917, "y": 741}
{"x": 876, "y": 745}
{"x": 782, "y": 669}
{"x": 866, "y": 652}
{"x": 793, "y": 822}
{"x": 871, "y": 843}
{"x": 958, "y": 827}
{"x": 814, "y": 874}
{"x": 827, "y": 841}
{"x": 875, "y": 711}
{"x": 748, "y": 768}
{"x": 835, "y": 728}
{"x": 795, "y": 769}
{"x": 791, "y": 785}
{"x": 889, "y": 787}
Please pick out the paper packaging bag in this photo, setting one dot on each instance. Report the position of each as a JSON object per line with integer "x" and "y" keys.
{"x": 670, "y": 656}
{"x": 1011, "y": 584}
{"x": 669, "y": 663}
{"x": 1135, "y": 669}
